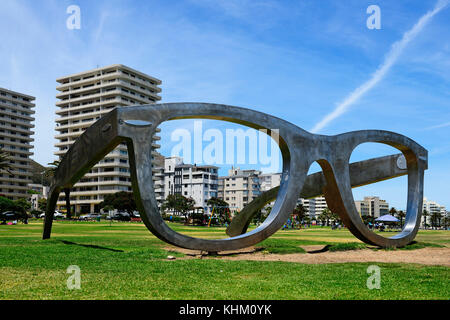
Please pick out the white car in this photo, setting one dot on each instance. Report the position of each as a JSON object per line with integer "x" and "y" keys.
{"x": 57, "y": 214}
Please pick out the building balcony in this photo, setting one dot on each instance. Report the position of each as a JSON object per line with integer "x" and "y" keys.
{"x": 18, "y": 114}
{"x": 90, "y": 84}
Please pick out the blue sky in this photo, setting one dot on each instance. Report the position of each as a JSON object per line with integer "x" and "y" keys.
{"x": 293, "y": 59}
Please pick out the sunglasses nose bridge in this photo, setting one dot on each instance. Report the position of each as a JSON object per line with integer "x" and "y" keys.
{"x": 317, "y": 148}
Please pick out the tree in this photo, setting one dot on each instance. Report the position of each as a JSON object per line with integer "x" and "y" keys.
{"x": 436, "y": 219}
{"x": 393, "y": 211}
{"x": 446, "y": 220}
{"x": 6, "y": 204}
{"x": 425, "y": 215}
{"x": 42, "y": 204}
{"x": 21, "y": 205}
{"x": 198, "y": 216}
{"x": 122, "y": 201}
{"x": 336, "y": 218}
{"x": 51, "y": 172}
{"x": 401, "y": 214}
{"x": 299, "y": 212}
{"x": 325, "y": 216}
{"x": 180, "y": 204}
{"x": 221, "y": 208}
{"x": 108, "y": 208}
{"x": 367, "y": 219}
{"x": 307, "y": 220}
{"x": 35, "y": 213}
{"x": 261, "y": 215}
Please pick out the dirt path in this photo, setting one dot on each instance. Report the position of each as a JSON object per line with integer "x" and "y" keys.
{"x": 426, "y": 256}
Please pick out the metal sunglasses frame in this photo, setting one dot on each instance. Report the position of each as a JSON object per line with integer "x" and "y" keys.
{"x": 299, "y": 150}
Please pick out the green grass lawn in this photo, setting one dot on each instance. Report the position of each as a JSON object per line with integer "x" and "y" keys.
{"x": 125, "y": 261}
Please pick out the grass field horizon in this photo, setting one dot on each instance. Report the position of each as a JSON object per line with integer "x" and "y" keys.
{"x": 125, "y": 261}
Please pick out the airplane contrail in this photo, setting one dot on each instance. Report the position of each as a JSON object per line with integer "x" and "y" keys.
{"x": 392, "y": 56}
{"x": 442, "y": 125}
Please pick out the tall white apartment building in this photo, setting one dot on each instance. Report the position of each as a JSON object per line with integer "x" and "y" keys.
{"x": 433, "y": 207}
{"x": 16, "y": 117}
{"x": 170, "y": 164}
{"x": 83, "y": 98}
{"x": 239, "y": 188}
{"x": 197, "y": 182}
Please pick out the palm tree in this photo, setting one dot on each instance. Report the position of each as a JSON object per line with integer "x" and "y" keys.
{"x": 51, "y": 172}
{"x": 5, "y": 161}
{"x": 336, "y": 218}
{"x": 436, "y": 219}
{"x": 307, "y": 220}
{"x": 401, "y": 215}
{"x": 325, "y": 216}
{"x": 446, "y": 220}
{"x": 393, "y": 211}
{"x": 299, "y": 212}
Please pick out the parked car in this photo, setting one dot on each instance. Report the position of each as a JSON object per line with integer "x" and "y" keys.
{"x": 11, "y": 216}
{"x": 120, "y": 216}
{"x": 56, "y": 215}
{"x": 89, "y": 216}
{"x": 135, "y": 216}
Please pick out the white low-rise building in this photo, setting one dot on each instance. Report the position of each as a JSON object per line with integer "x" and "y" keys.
{"x": 239, "y": 188}
{"x": 40, "y": 192}
{"x": 372, "y": 206}
{"x": 314, "y": 206}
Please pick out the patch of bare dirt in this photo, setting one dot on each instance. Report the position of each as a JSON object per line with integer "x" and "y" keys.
{"x": 319, "y": 255}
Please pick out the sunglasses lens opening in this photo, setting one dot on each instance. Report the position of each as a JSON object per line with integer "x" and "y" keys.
{"x": 382, "y": 201}
{"x": 207, "y": 172}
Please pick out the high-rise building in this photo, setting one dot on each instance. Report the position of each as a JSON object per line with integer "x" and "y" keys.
{"x": 16, "y": 110}
{"x": 83, "y": 98}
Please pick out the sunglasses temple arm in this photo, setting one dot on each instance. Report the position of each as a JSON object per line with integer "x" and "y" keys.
{"x": 96, "y": 142}
{"x": 361, "y": 173}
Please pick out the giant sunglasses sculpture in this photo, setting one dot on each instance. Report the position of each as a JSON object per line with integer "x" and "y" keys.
{"x": 137, "y": 125}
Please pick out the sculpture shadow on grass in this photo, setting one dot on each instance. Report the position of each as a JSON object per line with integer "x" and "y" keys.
{"x": 92, "y": 246}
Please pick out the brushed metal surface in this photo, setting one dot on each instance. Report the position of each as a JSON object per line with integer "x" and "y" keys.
{"x": 299, "y": 150}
